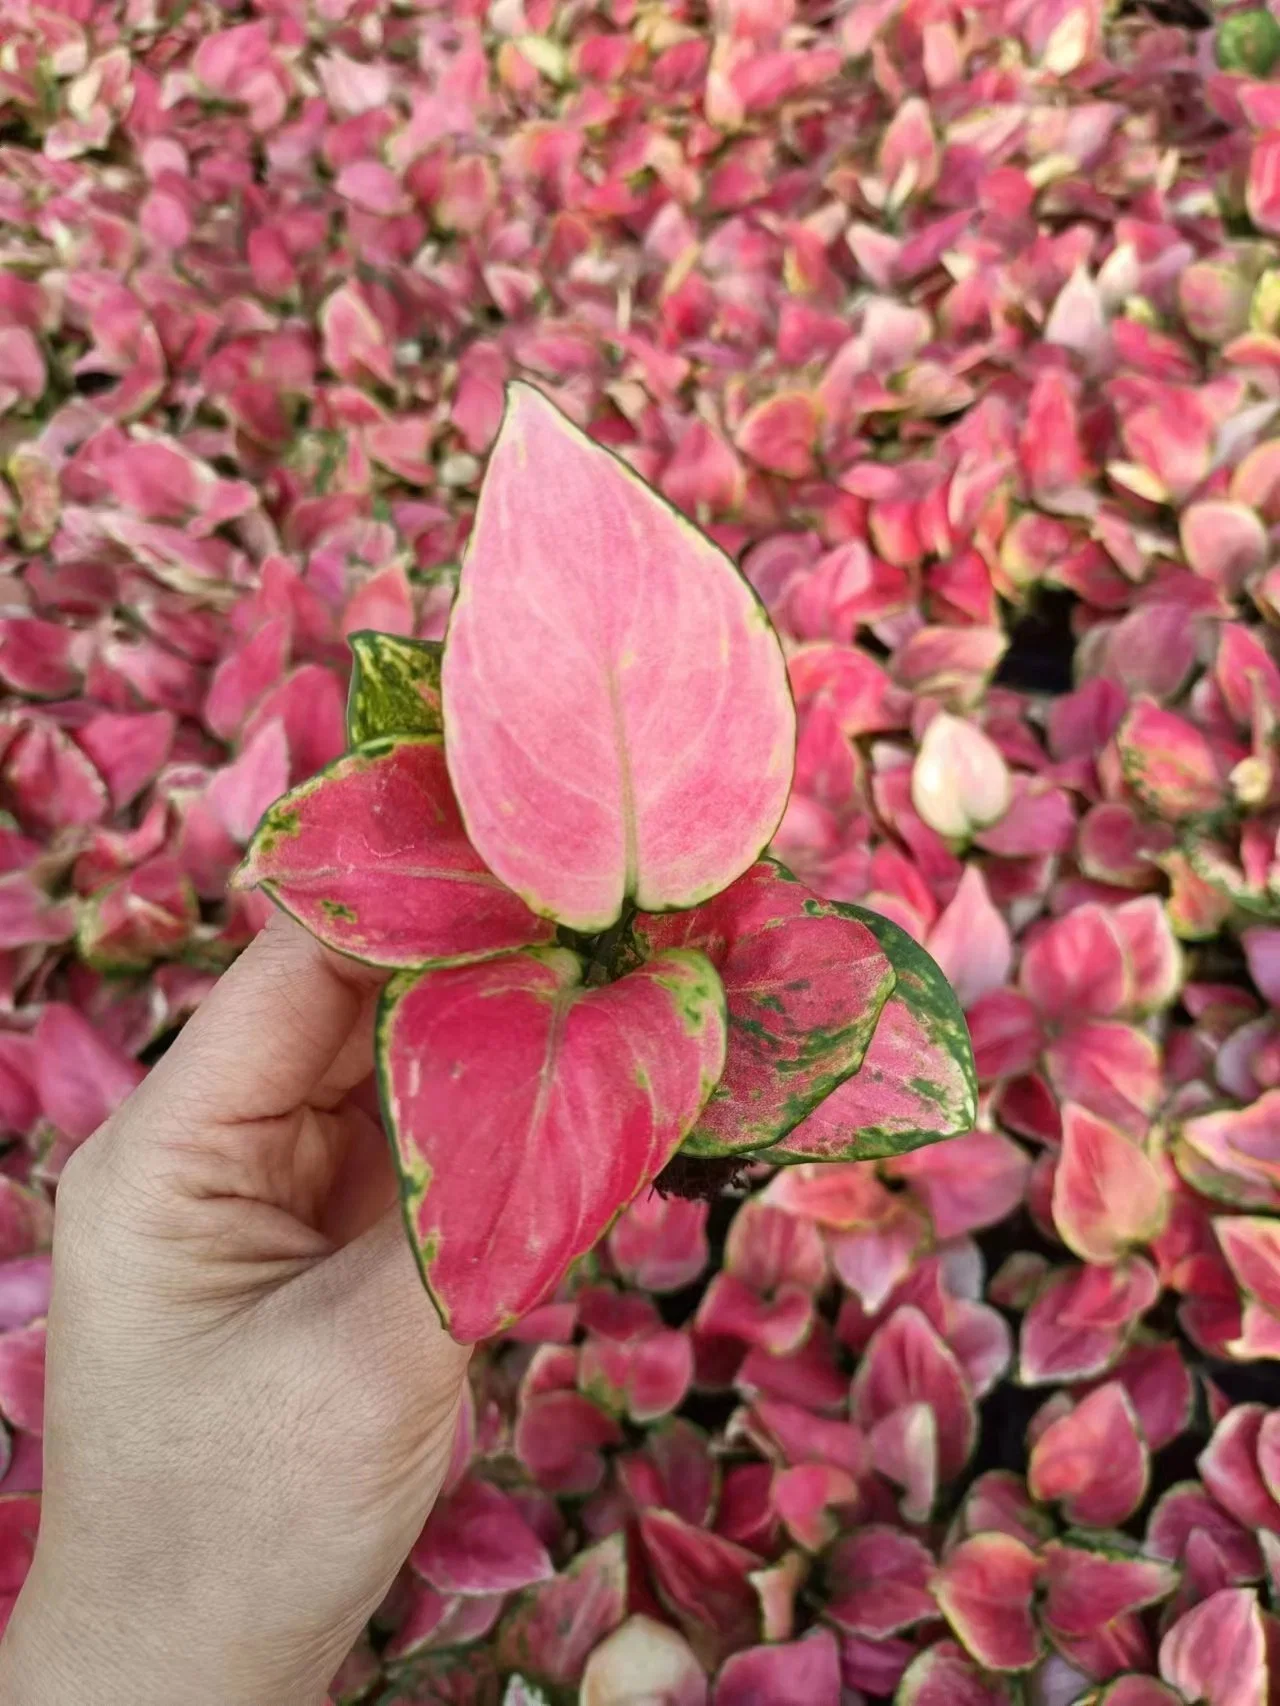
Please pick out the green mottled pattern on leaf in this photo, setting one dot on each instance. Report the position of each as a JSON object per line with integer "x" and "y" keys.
{"x": 395, "y": 687}
{"x": 550, "y": 1630}
{"x": 917, "y": 1083}
{"x": 1249, "y": 42}
{"x": 805, "y": 986}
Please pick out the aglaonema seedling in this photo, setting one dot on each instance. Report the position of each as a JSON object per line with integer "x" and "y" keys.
{"x": 551, "y": 830}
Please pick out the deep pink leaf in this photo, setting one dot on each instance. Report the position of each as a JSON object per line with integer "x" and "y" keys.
{"x": 22, "y": 1351}
{"x": 804, "y": 986}
{"x": 1075, "y": 1327}
{"x": 906, "y": 1362}
{"x": 240, "y": 794}
{"x": 1086, "y": 1588}
{"x": 1168, "y": 763}
{"x": 553, "y": 1627}
{"x": 916, "y": 1083}
{"x": 1111, "y": 1069}
{"x": 778, "y": 1324}
{"x": 1187, "y": 1510}
{"x": 679, "y": 778}
{"x": 1216, "y": 1653}
{"x": 1075, "y": 967}
{"x": 646, "y": 1377}
{"x": 1107, "y": 1193}
{"x": 80, "y": 1078}
{"x": 242, "y": 678}
{"x": 1093, "y": 1460}
{"x": 660, "y": 1243}
{"x": 943, "y": 1675}
{"x": 968, "y": 1183}
{"x": 127, "y": 749}
{"x": 704, "y": 1582}
{"x": 19, "y": 1522}
{"x": 558, "y": 1437}
{"x": 1136, "y": 1691}
{"x": 984, "y": 1589}
{"x": 372, "y": 858}
{"x": 808, "y": 1669}
{"x": 879, "y": 1582}
{"x": 1230, "y": 1470}
{"x": 25, "y": 1287}
{"x": 476, "y": 1542}
{"x": 486, "y": 1069}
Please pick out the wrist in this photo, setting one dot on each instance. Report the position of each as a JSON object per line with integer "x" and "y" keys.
{"x": 64, "y": 1646}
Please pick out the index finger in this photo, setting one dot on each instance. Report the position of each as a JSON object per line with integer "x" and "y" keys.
{"x": 290, "y": 1022}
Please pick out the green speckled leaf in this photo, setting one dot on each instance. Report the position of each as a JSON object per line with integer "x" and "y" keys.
{"x": 917, "y": 1082}
{"x": 395, "y": 687}
{"x": 526, "y": 1109}
{"x": 371, "y": 857}
{"x": 804, "y": 984}
{"x": 1249, "y": 42}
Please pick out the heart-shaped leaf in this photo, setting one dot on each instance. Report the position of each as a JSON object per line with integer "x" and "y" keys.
{"x": 917, "y": 1081}
{"x": 552, "y": 1628}
{"x": 526, "y": 1110}
{"x": 395, "y": 687}
{"x": 371, "y": 856}
{"x": 617, "y": 714}
{"x": 804, "y": 985}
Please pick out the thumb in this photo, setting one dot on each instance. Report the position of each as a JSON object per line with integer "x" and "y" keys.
{"x": 388, "y": 1326}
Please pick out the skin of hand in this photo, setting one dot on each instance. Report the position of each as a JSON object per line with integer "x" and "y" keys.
{"x": 250, "y": 1402}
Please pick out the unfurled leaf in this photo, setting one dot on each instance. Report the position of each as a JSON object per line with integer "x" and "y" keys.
{"x": 660, "y": 1243}
{"x": 559, "y": 1436}
{"x": 971, "y": 943}
{"x": 371, "y": 856}
{"x": 943, "y": 1675}
{"x": 552, "y": 1628}
{"x": 1217, "y": 1653}
{"x": 645, "y": 1378}
{"x": 879, "y": 1582}
{"x": 592, "y": 620}
{"x": 907, "y": 1362}
{"x": 1086, "y": 1586}
{"x": 1230, "y": 1468}
{"x": 969, "y": 1183}
{"x": 704, "y": 1582}
{"x": 1077, "y": 1324}
{"x": 1093, "y": 1460}
{"x": 80, "y": 1077}
{"x": 807, "y": 1669}
{"x": 1168, "y": 763}
{"x": 917, "y": 1081}
{"x": 804, "y": 986}
{"x": 984, "y": 1588}
{"x": 1075, "y": 966}
{"x": 395, "y": 687}
{"x": 1107, "y": 1193}
{"x": 22, "y": 1357}
{"x": 19, "y": 1522}
{"x": 477, "y": 1542}
{"x": 1133, "y": 1691}
{"x": 526, "y": 1110}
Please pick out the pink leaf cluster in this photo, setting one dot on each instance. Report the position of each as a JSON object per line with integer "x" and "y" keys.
{"x": 958, "y": 329}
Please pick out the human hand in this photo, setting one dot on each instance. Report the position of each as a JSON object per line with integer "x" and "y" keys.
{"x": 250, "y": 1401}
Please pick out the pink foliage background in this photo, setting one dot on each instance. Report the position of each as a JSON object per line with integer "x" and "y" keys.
{"x": 959, "y": 327}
